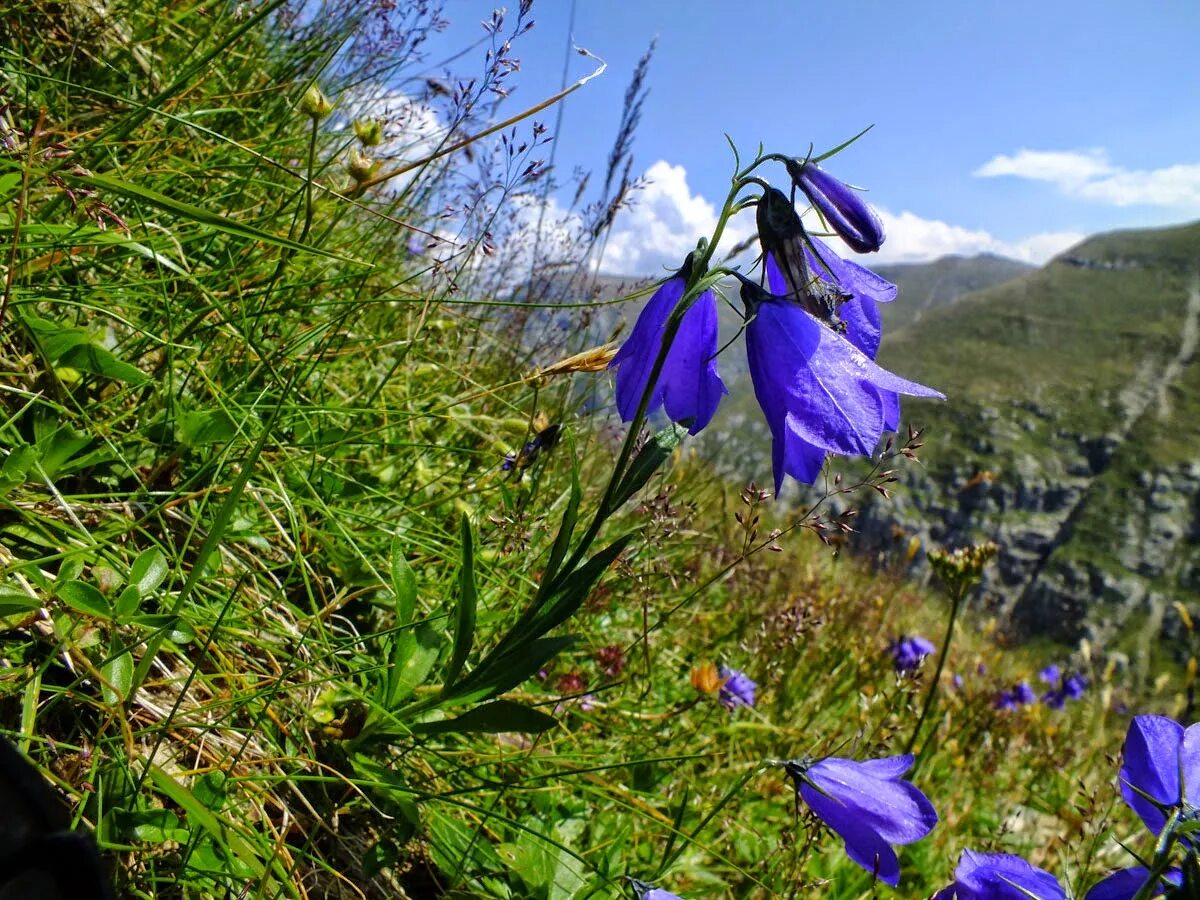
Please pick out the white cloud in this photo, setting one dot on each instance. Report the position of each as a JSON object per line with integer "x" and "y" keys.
{"x": 659, "y": 230}
{"x": 1089, "y": 175}
{"x": 911, "y": 238}
{"x": 1058, "y": 166}
{"x": 663, "y": 225}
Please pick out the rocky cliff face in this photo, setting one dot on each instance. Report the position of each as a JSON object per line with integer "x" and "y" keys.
{"x": 1083, "y": 464}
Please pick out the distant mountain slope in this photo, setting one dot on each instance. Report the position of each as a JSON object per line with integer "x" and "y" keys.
{"x": 1071, "y": 435}
{"x": 928, "y": 286}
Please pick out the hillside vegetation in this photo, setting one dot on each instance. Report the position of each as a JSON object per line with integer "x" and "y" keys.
{"x": 315, "y": 577}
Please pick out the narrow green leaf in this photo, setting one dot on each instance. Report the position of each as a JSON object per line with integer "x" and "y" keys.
{"x": 507, "y": 670}
{"x": 566, "y": 528}
{"x": 84, "y": 598}
{"x": 574, "y": 588}
{"x": 657, "y": 450}
{"x": 468, "y": 598}
{"x": 193, "y": 213}
{"x": 148, "y": 571}
{"x": 118, "y": 678}
{"x": 497, "y": 717}
{"x": 404, "y": 585}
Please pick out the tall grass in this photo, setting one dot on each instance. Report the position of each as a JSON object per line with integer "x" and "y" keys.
{"x": 258, "y": 544}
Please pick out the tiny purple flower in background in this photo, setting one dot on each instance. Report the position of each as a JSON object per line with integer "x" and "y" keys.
{"x": 817, "y": 390}
{"x": 957, "y": 681}
{"x": 688, "y": 387}
{"x": 981, "y": 669}
{"x": 1074, "y": 686}
{"x": 1024, "y": 694}
{"x": 1158, "y": 752}
{"x": 1124, "y": 884}
{"x": 736, "y": 688}
{"x": 416, "y": 245}
{"x": 868, "y": 805}
{"x": 999, "y": 876}
{"x": 908, "y": 652}
{"x": 1005, "y": 700}
{"x": 839, "y": 204}
{"x": 1050, "y": 674}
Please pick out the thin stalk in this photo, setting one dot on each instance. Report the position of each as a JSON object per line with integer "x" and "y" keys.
{"x": 955, "y": 602}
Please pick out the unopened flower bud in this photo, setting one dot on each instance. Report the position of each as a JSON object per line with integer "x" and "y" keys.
{"x": 314, "y": 104}
{"x": 839, "y": 204}
{"x": 369, "y": 132}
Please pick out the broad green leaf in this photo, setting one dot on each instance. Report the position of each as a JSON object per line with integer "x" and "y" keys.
{"x": 148, "y": 571}
{"x": 85, "y": 598}
{"x": 14, "y": 602}
{"x": 468, "y": 597}
{"x": 16, "y": 466}
{"x": 574, "y": 588}
{"x": 404, "y": 585}
{"x": 497, "y": 717}
{"x": 128, "y": 602}
{"x": 149, "y": 826}
{"x": 414, "y": 654}
{"x": 210, "y": 426}
{"x": 657, "y": 450}
{"x": 66, "y": 345}
{"x": 118, "y": 678}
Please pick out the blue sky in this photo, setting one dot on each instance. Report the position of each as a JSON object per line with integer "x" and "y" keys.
{"x": 1014, "y": 126}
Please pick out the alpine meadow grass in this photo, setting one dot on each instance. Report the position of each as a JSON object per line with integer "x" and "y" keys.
{"x": 349, "y": 549}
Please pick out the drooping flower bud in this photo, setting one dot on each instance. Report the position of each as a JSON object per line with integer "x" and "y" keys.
{"x": 369, "y": 132}
{"x": 315, "y": 104}
{"x": 845, "y": 211}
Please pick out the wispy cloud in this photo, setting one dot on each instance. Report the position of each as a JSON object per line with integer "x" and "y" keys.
{"x": 1090, "y": 175}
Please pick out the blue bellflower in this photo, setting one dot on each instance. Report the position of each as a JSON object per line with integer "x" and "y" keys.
{"x": 736, "y": 688}
{"x": 646, "y": 892}
{"x": 839, "y": 205}
{"x": 868, "y": 805}
{"x": 908, "y": 652}
{"x": 1158, "y": 752}
{"x": 688, "y": 386}
{"x": 818, "y": 392}
{"x": 999, "y": 876}
{"x": 1124, "y": 884}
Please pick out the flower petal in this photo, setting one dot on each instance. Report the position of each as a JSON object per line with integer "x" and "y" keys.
{"x": 1003, "y": 876}
{"x": 863, "y": 845}
{"x": 1124, "y": 884}
{"x": 895, "y": 809}
{"x": 1151, "y": 766}
{"x": 691, "y": 387}
{"x": 635, "y": 359}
